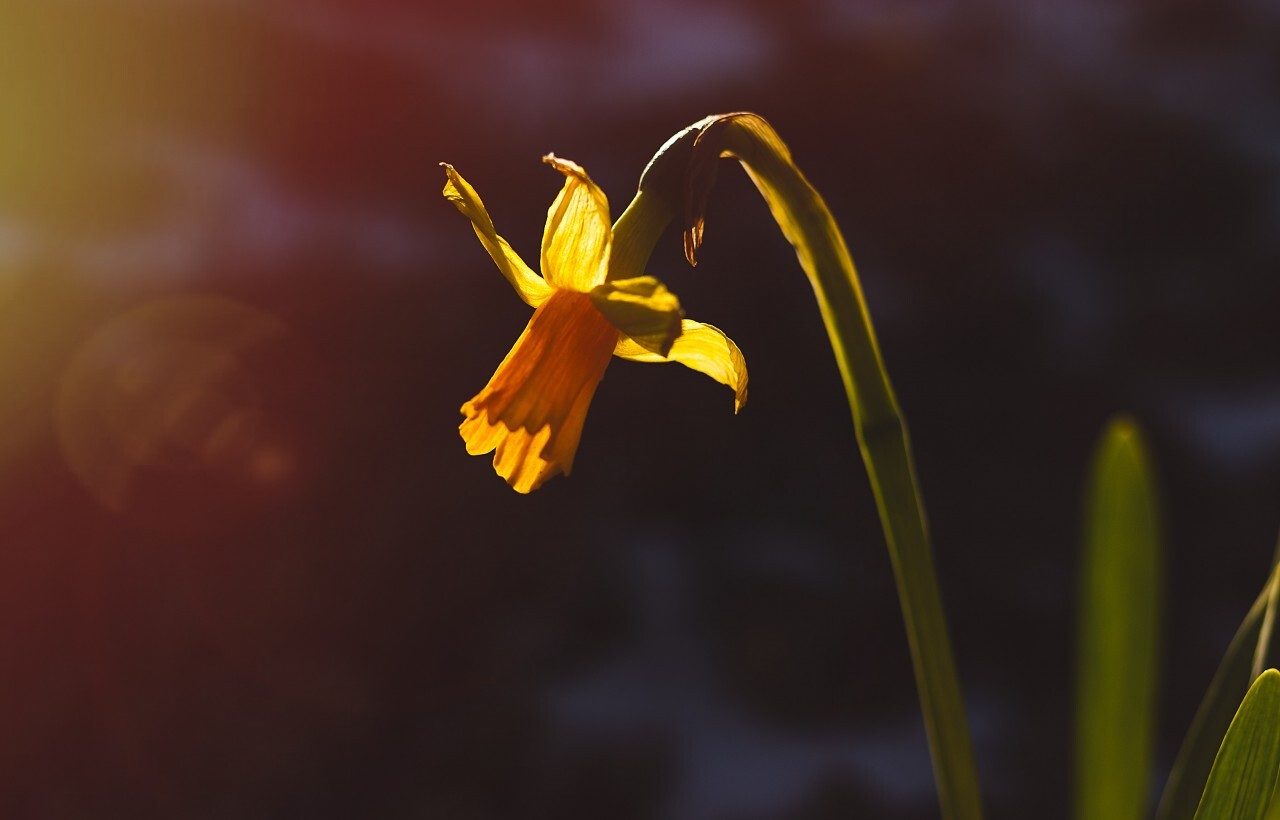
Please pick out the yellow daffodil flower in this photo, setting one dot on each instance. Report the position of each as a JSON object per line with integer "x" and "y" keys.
{"x": 532, "y": 410}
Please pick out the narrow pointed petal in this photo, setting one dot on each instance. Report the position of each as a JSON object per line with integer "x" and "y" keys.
{"x": 531, "y": 287}
{"x": 703, "y": 348}
{"x": 575, "y": 244}
{"x": 643, "y": 309}
{"x": 533, "y": 409}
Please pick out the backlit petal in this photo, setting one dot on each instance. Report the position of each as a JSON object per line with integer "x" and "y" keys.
{"x": 533, "y": 289}
{"x": 533, "y": 409}
{"x": 704, "y": 348}
{"x": 575, "y": 244}
{"x": 643, "y": 309}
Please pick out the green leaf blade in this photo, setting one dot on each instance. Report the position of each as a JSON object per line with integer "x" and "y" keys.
{"x": 1243, "y": 777}
{"x": 1118, "y": 636}
{"x": 1232, "y": 679}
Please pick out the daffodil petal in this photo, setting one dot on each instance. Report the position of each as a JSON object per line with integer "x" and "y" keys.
{"x": 575, "y": 244}
{"x": 703, "y": 348}
{"x": 643, "y": 309}
{"x": 532, "y": 410}
{"x": 531, "y": 287}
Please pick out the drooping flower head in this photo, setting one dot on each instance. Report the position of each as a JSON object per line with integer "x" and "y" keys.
{"x": 532, "y": 411}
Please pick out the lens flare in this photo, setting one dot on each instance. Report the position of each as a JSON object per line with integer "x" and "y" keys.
{"x": 170, "y": 413}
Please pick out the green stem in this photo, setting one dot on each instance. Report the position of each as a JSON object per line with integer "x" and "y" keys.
{"x": 680, "y": 175}
{"x": 882, "y": 434}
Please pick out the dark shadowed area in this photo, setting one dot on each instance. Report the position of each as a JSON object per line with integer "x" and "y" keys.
{"x": 248, "y": 570}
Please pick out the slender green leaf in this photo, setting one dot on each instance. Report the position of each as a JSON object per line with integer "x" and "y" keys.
{"x": 1243, "y": 777}
{"x": 1230, "y": 682}
{"x": 1273, "y": 813}
{"x": 1266, "y": 630}
{"x": 1118, "y": 641}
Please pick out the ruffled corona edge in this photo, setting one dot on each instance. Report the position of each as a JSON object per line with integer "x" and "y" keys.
{"x": 533, "y": 409}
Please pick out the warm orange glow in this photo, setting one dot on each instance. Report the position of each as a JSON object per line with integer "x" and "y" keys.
{"x": 270, "y": 465}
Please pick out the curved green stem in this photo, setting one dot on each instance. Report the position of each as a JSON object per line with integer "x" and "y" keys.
{"x": 684, "y": 169}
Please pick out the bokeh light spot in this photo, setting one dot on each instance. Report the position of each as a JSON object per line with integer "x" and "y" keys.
{"x": 172, "y": 413}
{"x": 270, "y": 465}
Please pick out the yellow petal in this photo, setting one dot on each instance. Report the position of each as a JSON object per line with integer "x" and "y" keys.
{"x": 575, "y": 244}
{"x": 533, "y": 289}
{"x": 643, "y": 309}
{"x": 703, "y": 348}
{"x": 533, "y": 409}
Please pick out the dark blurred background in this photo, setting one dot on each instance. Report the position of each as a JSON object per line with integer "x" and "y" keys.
{"x": 248, "y": 570}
